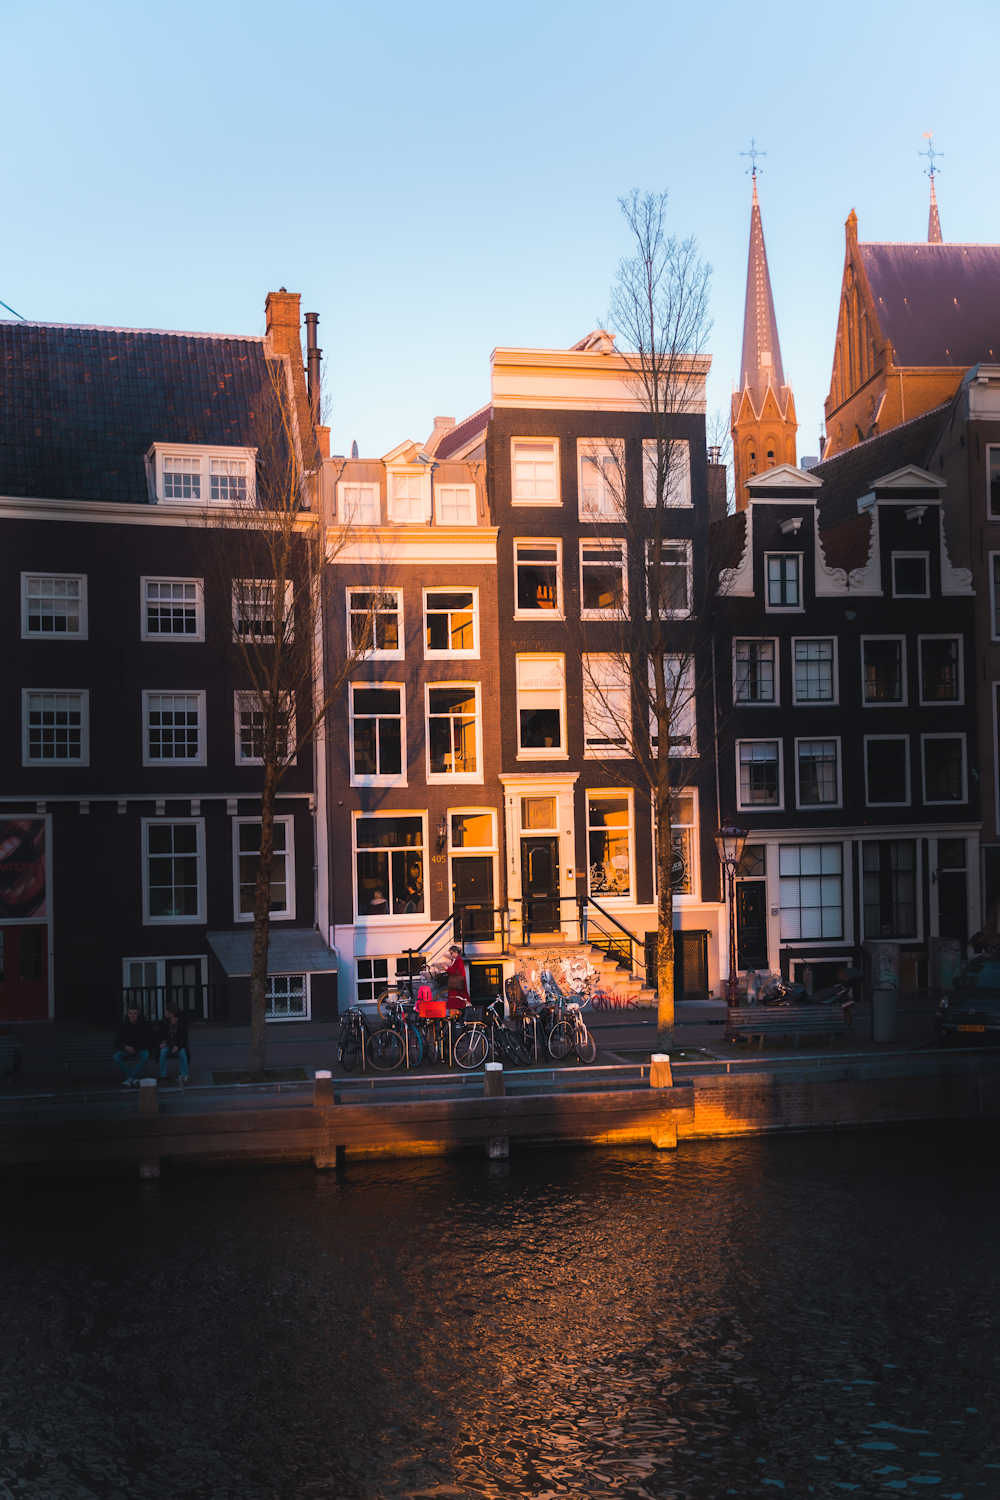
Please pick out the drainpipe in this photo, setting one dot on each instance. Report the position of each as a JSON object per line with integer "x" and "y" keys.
{"x": 313, "y": 356}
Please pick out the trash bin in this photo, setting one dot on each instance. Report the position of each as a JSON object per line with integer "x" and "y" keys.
{"x": 885, "y": 989}
{"x": 884, "y": 1015}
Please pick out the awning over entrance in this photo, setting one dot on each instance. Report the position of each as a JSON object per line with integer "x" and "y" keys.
{"x": 290, "y": 951}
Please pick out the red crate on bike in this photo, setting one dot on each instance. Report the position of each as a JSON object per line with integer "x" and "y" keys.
{"x": 432, "y": 1010}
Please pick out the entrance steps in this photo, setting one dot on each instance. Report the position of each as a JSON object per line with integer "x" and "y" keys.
{"x": 613, "y": 976}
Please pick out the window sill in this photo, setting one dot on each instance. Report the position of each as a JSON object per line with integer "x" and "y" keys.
{"x": 458, "y": 778}
{"x": 537, "y": 615}
{"x": 757, "y": 703}
{"x": 543, "y": 755}
{"x": 451, "y": 655}
{"x": 245, "y": 919}
{"x": 382, "y": 781}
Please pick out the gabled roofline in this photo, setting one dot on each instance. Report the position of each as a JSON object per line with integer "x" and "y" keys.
{"x": 176, "y": 333}
{"x": 910, "y": 477}
{"x": 783, "y": 477}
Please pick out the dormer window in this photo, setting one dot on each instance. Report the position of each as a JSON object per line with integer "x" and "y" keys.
{"x": 185, "y": 475}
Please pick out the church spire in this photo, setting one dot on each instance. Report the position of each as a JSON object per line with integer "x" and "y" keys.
{"x": 761, "y": 363}
{"x": 934, "y": 219}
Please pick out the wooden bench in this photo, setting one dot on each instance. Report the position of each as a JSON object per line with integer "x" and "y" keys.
{"x": 87, "y": 1049}
{"x": 759, "y": 1021}
{"x": 8, "y": 1058}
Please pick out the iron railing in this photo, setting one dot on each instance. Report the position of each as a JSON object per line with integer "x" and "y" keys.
{"x": 199, "y": 1002}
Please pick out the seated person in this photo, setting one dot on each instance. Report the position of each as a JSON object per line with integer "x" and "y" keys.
{"x": 458, "y": 989}
{"x": 133, "y": 1044}
{"x": 174, "y": 1042}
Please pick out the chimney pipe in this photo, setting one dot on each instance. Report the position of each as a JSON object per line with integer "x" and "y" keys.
{"x": 313, "y": 356}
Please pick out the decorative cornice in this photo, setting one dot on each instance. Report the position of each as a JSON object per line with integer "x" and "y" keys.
{"x": 861, "y": 580}
{"x": 953, "y": 580}
{"x": 737, "y": 583}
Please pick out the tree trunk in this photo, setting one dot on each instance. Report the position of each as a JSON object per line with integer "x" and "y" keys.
{"x": 665, "y": 936}
{"x": 262, "y": 919}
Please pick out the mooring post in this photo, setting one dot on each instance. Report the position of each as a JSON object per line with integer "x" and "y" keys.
{"x": 497, "y": 1146}
{"x": 323, "y": 1098}
{"x": 149, "y": 1104}
{"x": 660, "y": 1077}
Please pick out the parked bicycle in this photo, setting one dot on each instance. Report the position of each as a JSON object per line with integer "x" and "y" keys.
{"x": 386, "y": 1048}
{"x": 479, "y": 1041}
{"x": 354, "y": 1031}
{"x": 570, "y": 1034}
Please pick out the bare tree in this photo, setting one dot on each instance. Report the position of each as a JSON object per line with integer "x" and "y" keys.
{"x": 267, "y": 551}
{"x": 648, "y": 660}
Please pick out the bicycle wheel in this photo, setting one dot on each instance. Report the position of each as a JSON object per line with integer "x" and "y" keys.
{"x": 471, "y": 1047}
{"x": 384, "y": 1050}
{"x": 432, "y": 1045}
{"x": 414, "y": 1046}
{"x": 561, "y": 1040}
{"x": 512, "y": 1049}
{"x": 348, "y": 1051}
{"x": 380, "y": 1002}
{"x": 586, "y": 1046}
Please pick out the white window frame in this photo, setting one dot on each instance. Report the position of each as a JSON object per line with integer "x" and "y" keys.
{"x": 453, "y": 777}
{"x": 994, "y": 586}
{"x": 186, "y": 921}
{"x": 942, "y": 635}
{"x": 375, "y": 654}
{"x": 391, "y": 778}
{"x": 349, "y": 513}
{"x": 289, "y": 854}
{"x": 484, "y": 851}
{"x": 783, "y": 609}
{"x": 927, "y": 573}
{"x": 672, "y": 614}
{"x": 678, "y": 494}
{"x": 605, "y": 794}
{"x": 903, "y": 667}
{"x": 605, "y": 544}
{"x": 832, "y": 702}
{"x": 243, "y": 700}
{"x": 439, "y": 490}
{"x": 611, "y": 503}
{"x": 761, "y": 739}
{"x": 450, "y": 655}
{"x": 54, "y": 635}
{"x": 559, "y": 613}
{"x": 526, "y": 438}
{"x": 378, "y": 983}
{"x": 691, "y": 704}
{"x": 205, "y": 457}
{"x": 909, "y": 790}
{"x": 262, "y": 585}
{"x": 808, "y": 739}
{"x": 422, "y": 472}
{"x": 693, "y": 897}
{"x": 84, "y": 758}
{"x": 199, "y": 611}
{"x": 757, "y": 640}
{"x": 156, "y": 761}
{"x": 892, "y": 835}
{"x": 990, "y": 448}
{"x": 282, "y": 1020}
{"x": 605, "y": 673}
{"x": 813, "y": 843}
{"x": 560, "y": 752}
{"x": 392, "y": 919}
{"x": 949, "y": 801}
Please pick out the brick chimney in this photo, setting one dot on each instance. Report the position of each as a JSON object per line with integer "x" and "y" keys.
{"x": 284, "y": 341}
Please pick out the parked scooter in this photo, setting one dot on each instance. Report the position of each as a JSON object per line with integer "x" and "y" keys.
{"x": 778, "y": 991}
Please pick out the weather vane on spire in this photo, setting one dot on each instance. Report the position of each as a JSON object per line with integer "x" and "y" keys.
{"x": 930, "y": 153}
{"x": 753, "y": 154}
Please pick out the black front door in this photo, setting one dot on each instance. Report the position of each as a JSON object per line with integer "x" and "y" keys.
{"x": 472, "y": 894}
{"x": 751, "y": 924}
{"x": 540, "y": 883}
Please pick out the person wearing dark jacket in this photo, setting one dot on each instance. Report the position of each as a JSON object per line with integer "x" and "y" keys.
{"x": 174, "y": 1042}
{"x": 133, "y": 1044}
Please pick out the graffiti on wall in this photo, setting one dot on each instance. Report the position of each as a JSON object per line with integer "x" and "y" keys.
{"x": 22, "y": 868}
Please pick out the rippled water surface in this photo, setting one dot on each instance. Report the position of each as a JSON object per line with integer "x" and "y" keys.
{"x": 812, "y": 1315}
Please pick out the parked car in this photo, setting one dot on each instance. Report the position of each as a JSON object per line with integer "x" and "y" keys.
{"x": 970, "y": 1011}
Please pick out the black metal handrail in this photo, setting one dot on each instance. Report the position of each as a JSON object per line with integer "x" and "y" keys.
{"x": 583, "y": 903}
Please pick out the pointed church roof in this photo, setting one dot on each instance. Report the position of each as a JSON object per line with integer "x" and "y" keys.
{"x": 761, "y": 364}
{"x": 934, "y": 221}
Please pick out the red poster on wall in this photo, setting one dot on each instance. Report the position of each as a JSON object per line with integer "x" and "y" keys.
{"x": 22, "y": 868}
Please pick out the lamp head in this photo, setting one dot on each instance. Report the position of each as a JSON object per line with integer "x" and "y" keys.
{"x": 729, "y": 841}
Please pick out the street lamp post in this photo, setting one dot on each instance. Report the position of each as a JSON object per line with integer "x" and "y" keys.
{"x": 729, "y": 841}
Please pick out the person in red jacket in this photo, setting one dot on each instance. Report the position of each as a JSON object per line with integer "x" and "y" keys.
{"x": 458, "y": 989}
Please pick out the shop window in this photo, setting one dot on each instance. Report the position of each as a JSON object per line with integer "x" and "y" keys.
{"x": 609, "y": 837}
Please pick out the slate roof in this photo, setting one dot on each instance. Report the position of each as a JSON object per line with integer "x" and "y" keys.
{"x": 847, "y": 544}
{"x": 463, "y": 434}
{"x": 80, "y": 406}
{"x": 290, "y": 950}
{"x": 939, "y": 304}
{"x": 847, "y": 476}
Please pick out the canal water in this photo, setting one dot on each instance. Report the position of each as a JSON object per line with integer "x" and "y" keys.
{"x": 804, "y": 1315}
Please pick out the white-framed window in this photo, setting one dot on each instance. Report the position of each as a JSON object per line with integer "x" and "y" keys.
{"x": 249, "y": 722}
{"x": 186, "y": 475}
{"x": 173, "y": 609}
{"x": 603, "y": 578}
{"x": 679, "y": 686}
{"x": 376, "y": 973}
{"x": 358, "y": 502}
{"x": 943, "y": 757}
{"x": 541, "y": 707}
{"x": 375, "y": 623}
{"x": 182, "y": 478}
{"x": 760, "y": 782}
{"x": 811, "y": 891}
{"x": 941, "y": 677}
{"x": 473, "y": 856}
{"x": 817, "y": 773}
{"x": 675, "y": 580}
{"x": 755, "y": 670}
{"x": 55, "y": 727}
{"x": 255, "y": 610}
{"x": 601, "y": 479}
{"x": 607, "y": 708}
{"x": 451, "y": 623}
{"x": 409, "y": 496}
{"x": 246, "y": 859}
{"x": 390, "y": 866}
{"x": 783, "y": 580}
{"x": 173, "y": 870}
{"x": 993, "y": 482}
{"x": 287, "y": 997}
{"x": 609, "y": 845}
{"x": 889, "y": 887}
{"x": 538, "y": 578}
{"x": 534, "y": 466}
{"x": 814, "y": 669}
{"x": 685, "y": 865}
{"x": 883, "y": 666}
{"x": 911, "y": 575}
{"x": 454, "y": 731}
{"x": 378, "y": 733}
{"x": 173, "y": 729}
{"x": 887, "y": 770}
{"x": 677, "y": 489}
{"x": 995, "y": 583}
{"x": 54, "y": 606}
{"x": 456, "y": 504}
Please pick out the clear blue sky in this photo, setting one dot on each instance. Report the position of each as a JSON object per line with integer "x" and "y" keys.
{"x": 437, "y": 179}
